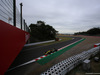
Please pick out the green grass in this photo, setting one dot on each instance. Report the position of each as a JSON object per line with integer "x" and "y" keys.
{"x": 62, "y": 39}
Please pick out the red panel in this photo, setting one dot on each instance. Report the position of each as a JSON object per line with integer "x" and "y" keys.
{"x": 95, "y": 45}
{"x": 12, "y": 40}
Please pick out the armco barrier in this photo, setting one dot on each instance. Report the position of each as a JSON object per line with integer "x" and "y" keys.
{"x": 37, "y": 43}
{"x": 65, "y": 66}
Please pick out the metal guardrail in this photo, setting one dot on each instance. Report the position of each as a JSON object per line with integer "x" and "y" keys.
{"x": 31, "y": 44}
{"x": 67, "y": 65}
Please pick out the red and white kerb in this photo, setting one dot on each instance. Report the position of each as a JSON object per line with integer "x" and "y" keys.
{"x": 96, "y": 45}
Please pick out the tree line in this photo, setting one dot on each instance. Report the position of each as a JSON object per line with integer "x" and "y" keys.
{"x": 92, "y": 31}
{"x": 41, "y": 32}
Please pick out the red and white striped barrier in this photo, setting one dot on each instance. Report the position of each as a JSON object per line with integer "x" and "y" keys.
{"x": 96, "y": 45}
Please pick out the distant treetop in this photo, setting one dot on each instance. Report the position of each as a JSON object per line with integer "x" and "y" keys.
{"x": 92, "y": 31}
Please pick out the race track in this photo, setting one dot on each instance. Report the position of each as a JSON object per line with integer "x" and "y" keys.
{"x": 33, "y": 52}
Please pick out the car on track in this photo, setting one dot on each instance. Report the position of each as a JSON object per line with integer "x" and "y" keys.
{"x": 50, "y": 51}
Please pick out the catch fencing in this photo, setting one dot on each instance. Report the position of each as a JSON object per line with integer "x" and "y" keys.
{"x": 6, "y": 14}
{"x": 67, "y": 65}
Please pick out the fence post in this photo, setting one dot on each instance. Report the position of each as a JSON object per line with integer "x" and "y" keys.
{"x": 21, "y": 14}
{"x": 14, "y": 13}
{"x": 24, "y": 25}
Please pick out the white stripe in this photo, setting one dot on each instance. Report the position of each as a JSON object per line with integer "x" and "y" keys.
{"x": 97, "y": 44}
{"x": 69, "y": 44}
{"x": 21, "y": 65}
{"x": 39, "y": 58}
{"x": 44, "y": 56}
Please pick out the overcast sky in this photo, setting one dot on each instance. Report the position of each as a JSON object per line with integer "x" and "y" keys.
{"x": 66, "y": 16}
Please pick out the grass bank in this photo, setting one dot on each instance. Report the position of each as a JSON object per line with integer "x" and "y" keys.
{"x": 62, "y": 39}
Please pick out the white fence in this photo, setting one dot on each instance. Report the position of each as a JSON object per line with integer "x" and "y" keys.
{"x": 65, "y": 66}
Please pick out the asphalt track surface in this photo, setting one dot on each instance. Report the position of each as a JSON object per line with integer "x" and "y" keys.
{"x": 33, "y": 52}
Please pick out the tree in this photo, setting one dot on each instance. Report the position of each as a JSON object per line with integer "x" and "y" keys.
{"x": 92, "y": 31}
{"x": 42, "y": 32}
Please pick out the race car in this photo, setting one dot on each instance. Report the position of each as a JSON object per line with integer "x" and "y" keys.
{"x": 50, "y": 51}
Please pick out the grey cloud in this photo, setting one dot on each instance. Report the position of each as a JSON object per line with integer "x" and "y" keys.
{"x": 67, "y": 16}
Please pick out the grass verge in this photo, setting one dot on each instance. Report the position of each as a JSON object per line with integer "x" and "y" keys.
{"x": 62, "y": 39}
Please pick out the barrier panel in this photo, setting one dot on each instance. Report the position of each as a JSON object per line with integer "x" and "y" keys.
{"x": 67, "y": 65}
{"x": 12, "y": 40}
